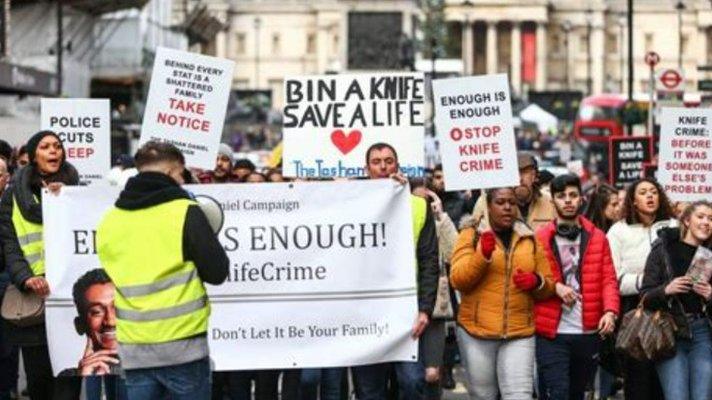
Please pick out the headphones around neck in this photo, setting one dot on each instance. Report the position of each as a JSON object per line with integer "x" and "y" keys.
{"x": 568, "y": 231}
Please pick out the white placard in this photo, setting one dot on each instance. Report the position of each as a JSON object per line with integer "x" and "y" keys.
{"x": 473, "y": 120}
{"x": 186, "y": 104}
{"x": 350, "y": 298}
{"x": 84, "y": 125}
{"x": 330, "y": 121}
{"x": 685, "y": 159}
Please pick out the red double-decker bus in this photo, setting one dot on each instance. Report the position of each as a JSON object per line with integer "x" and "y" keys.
{"x": 600, "y": 117}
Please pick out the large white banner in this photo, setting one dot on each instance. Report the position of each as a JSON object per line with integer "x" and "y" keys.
{"x": 473, "y": 119}
{"x": 84, "y": 125}
{"x": 685, "y": 159}
{"x": 331, "y": 120}
{"x": 186, "y": 104}
{"x": 321, "y": 274}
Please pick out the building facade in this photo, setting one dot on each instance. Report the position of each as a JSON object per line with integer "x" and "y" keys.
{"x": 272, "y": 39}
{"x": 578, "y": 45}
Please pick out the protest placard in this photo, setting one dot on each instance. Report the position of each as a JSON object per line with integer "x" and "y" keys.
{"x": 626, "y": 158}
{"x": 316, "y": 279}
{"x": 186, "y": 104}
{"x": 685, "y": 159}
{"x": 473, "y": 120}
{"x": 330, "y": 121}
{"x": 84, "y": 126}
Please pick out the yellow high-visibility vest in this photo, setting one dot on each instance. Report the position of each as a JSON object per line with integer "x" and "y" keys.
{"x": 29, "y": 234}
{"x": 159, "y": 297}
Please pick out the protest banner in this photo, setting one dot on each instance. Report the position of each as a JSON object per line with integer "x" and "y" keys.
{"x": 685, "y": 159}
{"x": 316, "y": 279}
{"x": 627, "y": 157}
{"x": 473, "y": 119}
{"x": 331, "y": 120}
{"x": 84, "y": 126}
{"x": 186, "y": 104}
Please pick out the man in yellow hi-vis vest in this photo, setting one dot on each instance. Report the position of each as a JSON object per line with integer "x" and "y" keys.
{"x": 382, "y": 162}
{"x": 159, "y": 249}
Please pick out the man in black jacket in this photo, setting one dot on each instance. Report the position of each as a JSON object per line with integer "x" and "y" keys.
{"x": 382, "y": 163}
{"x": 160, "y": 295}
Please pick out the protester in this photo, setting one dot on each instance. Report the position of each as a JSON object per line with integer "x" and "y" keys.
{"x": 457, "y": 205}
{"x": 603, "y": 210}
{"x": 6, "y": 153}
{"x": 8, "y": 352}
{"x": 370, "y": 382}
{"x": 667, "y": 285}
{"x": 255, "y": 177}
{"x": 646, "y": 209}
{"x": 533, "y": 206}
{"x": 241, "y": 169}
{"x": 222, "y": 172}
{"x": 23, "y": 248}
{"x": 274, "y": 175}
{"x": 4, "y": 174}
{"x": 587, "y": 303}
{"x": 23, "y": 158}
{"x": 432, "y": 342}
{"x": 499, "y": 271}
{"x": 159, "y": 250}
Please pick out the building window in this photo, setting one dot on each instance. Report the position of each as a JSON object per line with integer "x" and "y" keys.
{"x": 649, "y": 45}
{"x": 240, "y": 43}
{"x": 335, "y": 44}
{"x": 311, "y": 43}
{"x": 276, "y": 43}
{"x": 612, "y": 43}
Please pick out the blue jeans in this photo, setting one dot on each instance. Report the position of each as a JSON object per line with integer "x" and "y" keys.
{"x": 114, "y": 387}
{"x": 566, "y": 365}
{"x": 688, "y": 374}
{"x": 189, "y": 381}
{"x": 328, "y": 378}
{"x": 370, "y": 380}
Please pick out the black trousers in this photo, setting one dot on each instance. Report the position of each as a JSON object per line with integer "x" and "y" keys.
{"x": 41, "y": 385}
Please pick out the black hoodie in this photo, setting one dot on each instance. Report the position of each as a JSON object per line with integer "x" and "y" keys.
{"x": 200, "y": 244}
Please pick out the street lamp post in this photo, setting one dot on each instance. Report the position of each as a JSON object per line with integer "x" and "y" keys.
{"x": 566, "y": 26}
{"x": 257, "y": 25}
{"x": 680, "y": 7}
{"x": 621, "y": 29}
{"x": 589, "y": 58}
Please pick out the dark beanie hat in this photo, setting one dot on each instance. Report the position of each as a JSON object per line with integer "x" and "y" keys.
{"x": 35, "y": 141}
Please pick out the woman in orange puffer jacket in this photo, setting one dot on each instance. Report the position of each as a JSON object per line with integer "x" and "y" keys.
{"x": 499, "y": 273}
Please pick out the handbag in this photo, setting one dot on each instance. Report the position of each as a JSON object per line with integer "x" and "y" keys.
{"x": 647, "y": 335}
{"x": 22, "y": 308}
{"x": 443, "y": 305}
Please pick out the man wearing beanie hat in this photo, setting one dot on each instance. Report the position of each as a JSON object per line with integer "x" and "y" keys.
{"x": 534, "y": 207}
{"x": 222, "y": 173}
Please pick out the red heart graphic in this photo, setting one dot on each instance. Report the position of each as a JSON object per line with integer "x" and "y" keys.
{"x": 345, "y": 143}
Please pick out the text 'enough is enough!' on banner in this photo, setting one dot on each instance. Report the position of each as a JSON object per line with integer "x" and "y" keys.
{"x": 316, "y": 278}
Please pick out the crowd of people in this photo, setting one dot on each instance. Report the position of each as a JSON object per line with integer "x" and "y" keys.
{"x": 525, "y": 286}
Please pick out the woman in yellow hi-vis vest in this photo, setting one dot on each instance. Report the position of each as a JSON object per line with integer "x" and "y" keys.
{"x": 21, "y": 240}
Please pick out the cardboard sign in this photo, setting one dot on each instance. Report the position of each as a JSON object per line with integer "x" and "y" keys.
{"x": 685, "y": 160}
{"x": 84, "y": 125}
{"x": 330, "y": 122}
{"x": 626, "y": 156}
{"x": 473, "y": 119}
{"x": 186, "y": 104}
